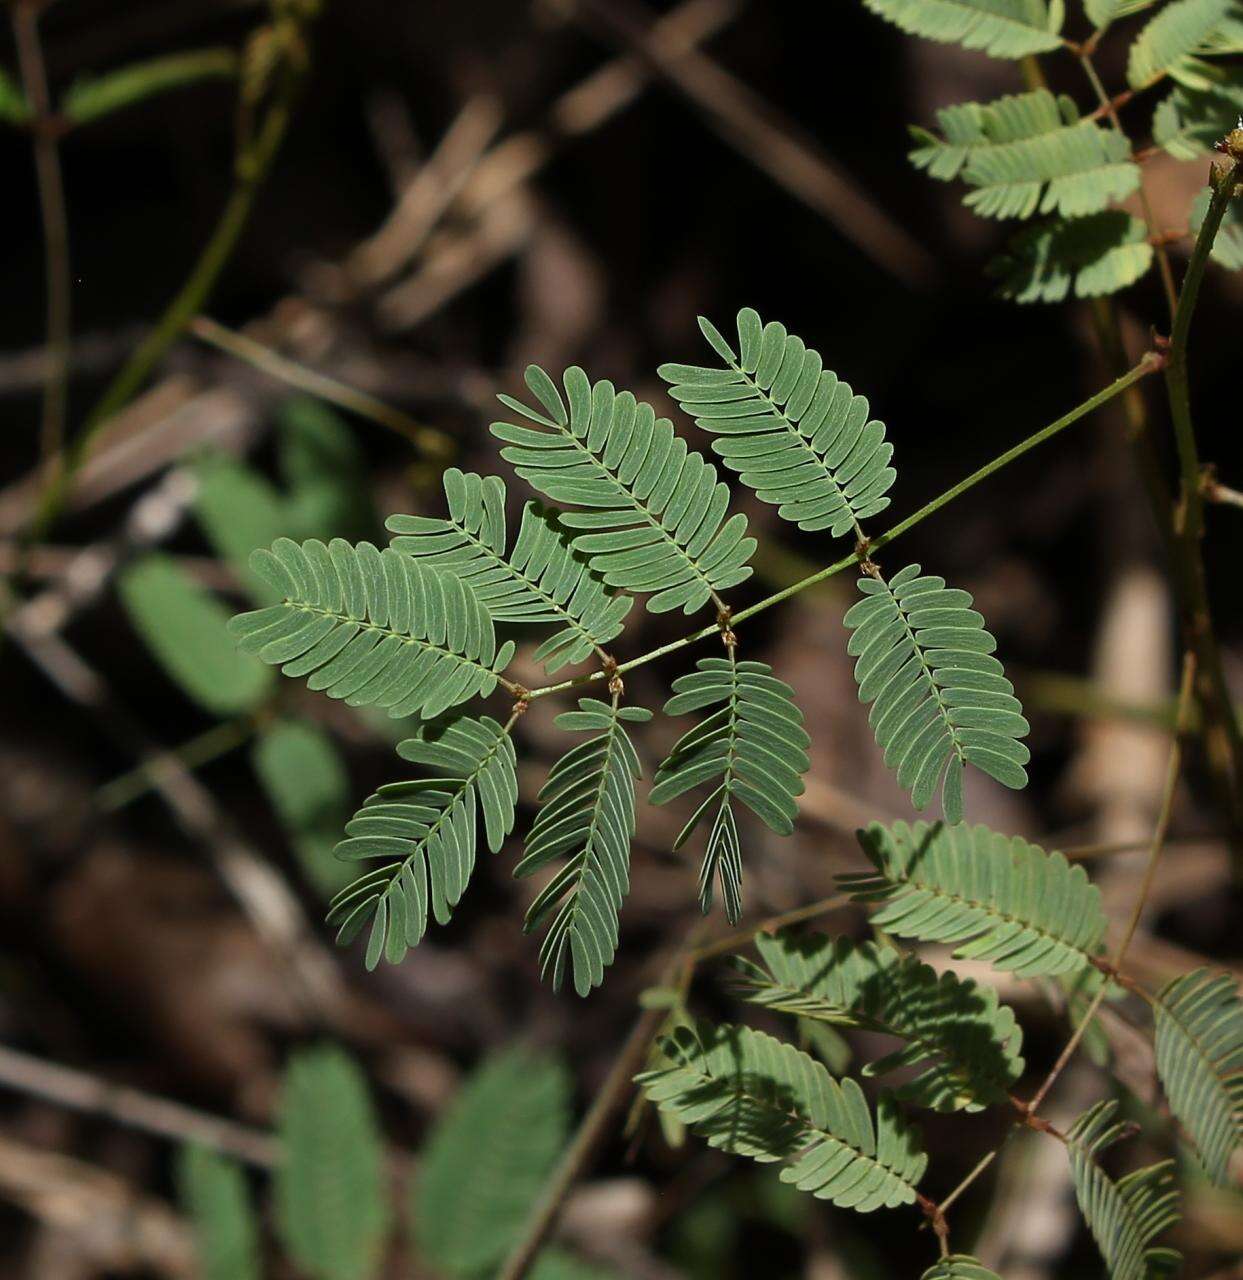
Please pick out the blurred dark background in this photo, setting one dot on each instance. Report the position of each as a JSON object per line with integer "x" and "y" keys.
{"x": 596, "y": 182}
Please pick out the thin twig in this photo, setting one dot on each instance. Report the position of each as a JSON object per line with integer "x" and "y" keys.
{"x": 132, "y": 1107}
{"x": 55, "y": 225}
{"x": 427, "y": 439}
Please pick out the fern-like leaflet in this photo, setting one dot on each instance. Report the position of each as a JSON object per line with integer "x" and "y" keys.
{"x": 486, "y": 1159}
{"x": 754, "y": 743}
{"x": 751, "y": 1095}
{"x": 1029, "y": 153}
{"x": 1126, "y": 1215}
{"x": 656, "y": 519}
{"x": 1003, "y": 28}
{"x": 1172, "y": 42}
{"x": 941, "y": 700}
{"x": 1006, "y": 901}
{"x": 1089, "y": 257}
{"x": 372, "y": 627}
{"x": 538, "y": 580}
{"x": 1199, "y": 1033}
{"x": 586, "y": 816}
{"x": 793, "y": 431}
{"x": 968, "y": 1043}
{"x": 424, "y": 834}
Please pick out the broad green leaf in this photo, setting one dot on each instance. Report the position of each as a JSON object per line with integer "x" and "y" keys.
{"x": 186, "y": 629}
{"x": 239, "y": 510}
{"x": 324, "y": 471}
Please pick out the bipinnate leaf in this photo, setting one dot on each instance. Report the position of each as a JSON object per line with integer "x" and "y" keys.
{"x": 1199, "y": 1036}
{"x": 965, "y": 1041}
{"x": 187, "y": 631}
{"x": 1124, "y": 1216}
{"x": 213, "y": 1195}
{"x": 332, "y": 1206}
{"x": 793, "y": 431}
{"x": 1029, "y": 153}
{"x": 656, "y": 513}
{"x": 372, "y": 627}
{"x": 540, "y": 579}
{"x": 996, "y": 898}
{"x": 940, "y": 700}
{"x": 586, "y": 817}
{"x": 422, "y": 835}
{"x": 751, "y": 1095}
{"x": 486, "y": 1160}
{"x": 751, "y": 748}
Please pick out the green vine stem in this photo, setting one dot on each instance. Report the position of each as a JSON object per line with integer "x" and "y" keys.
{"x": 1150, "y": 363}
{"x": 254, "y": 160}
{"x": 1223, "y": 742}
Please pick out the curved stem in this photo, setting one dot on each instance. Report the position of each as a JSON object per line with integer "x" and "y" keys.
{"x": 252, "y": 168}
{"x": 1149, "y": 364}
{"x": 55, "y": 225}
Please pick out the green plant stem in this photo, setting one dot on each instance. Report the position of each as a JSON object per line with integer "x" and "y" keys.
{"x": 55, "y": 226}
{"x": 252, "y": 168}
{"x": 426, "y": 439}
{"x": 1223, "y": 741}
{"x": 210, "y": 745}
{"x": 1149, "y": 364}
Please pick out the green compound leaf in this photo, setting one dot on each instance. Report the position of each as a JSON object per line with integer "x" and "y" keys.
{"x": 213, "y": 1195}
{"x": 1189, "y": 122}
{"x": 424, "y": 833}
{"x": 751, "y": 1095}
{"x": 332, "y": 1209}
{"x": 486, "y": 1160}
{"x": 1029, "y": 153}
{"x": 541, "y": 580}
{"x": 1227, "y": 250}
{"x": 1008, "y": 902}
{"x": 1199, "y": 1024}
{"x": 752, "y": 747}
{"x": 1089, "y": 257}
{"x": 372, "y": 627}
{"x": 656, "y": 519}
{"x": 1103, "y": 12}
{"x": 92, "y": 97}
{"x": 940, "y": 699}
{"x": 1172, "y": 42}
{"x": 793, "y": 431}
{"x": 966, "y": 1041}
{"x": 187, "y": 631}
{"x": 958, "y": 1266}
{"x": 586, "y": 816}
{"x": 1127, "y": 1215}
{"x": 1002, "y": 28}
{"x": 305, "y": 779}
